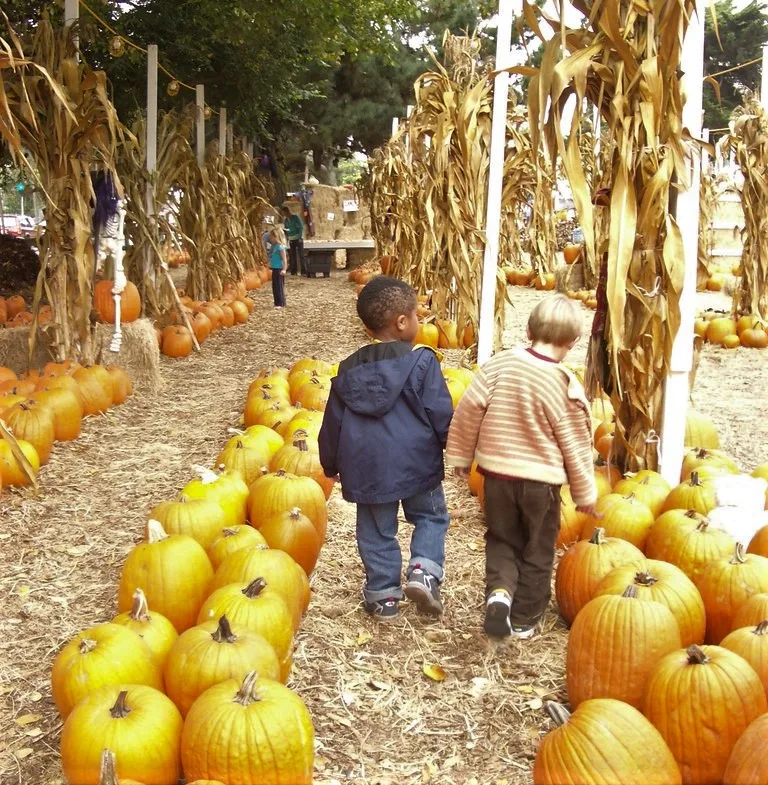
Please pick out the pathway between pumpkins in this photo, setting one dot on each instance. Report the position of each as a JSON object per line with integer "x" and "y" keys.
{"x": 379, "y": 719}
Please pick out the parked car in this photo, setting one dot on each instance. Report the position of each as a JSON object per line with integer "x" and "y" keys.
{"x": 29, "y": 227}
{"x": 11, "y": 225}
{"x": 20, "y": 226}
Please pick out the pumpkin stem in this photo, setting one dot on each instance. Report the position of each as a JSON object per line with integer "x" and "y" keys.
{"x": 281, "y": 473}
{"x": 108, "y": 770}
{"x": 557, "y": 712}
{"x": 87, "y": 645}
{"x": 140, "y": 610}
{"x": 630, "y": 592}
{"x": 598, "y": 536}
{"x": 239, "y": 444}
{"x": 738, "y": 554}
{"x": 183, "y": 498}
{"x": 696, "y": 655}
{"x": 120, "y": 710}
{"x": 702, "y": 525}
{"x": 762, "y": 628}
{"x": 155, "y": 532}
{"x": 255, "y": 588}
{"x": 246, "y": 695}
{"x": 224, "y": 632}
{"x": 645, "y": 578}
{"x": 694, "y": 481}
{"x": 701, "y": 453}
{"x": 228, "y": 532}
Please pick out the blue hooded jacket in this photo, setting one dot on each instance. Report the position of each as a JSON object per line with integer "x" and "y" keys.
{"x": 386, "y": 423}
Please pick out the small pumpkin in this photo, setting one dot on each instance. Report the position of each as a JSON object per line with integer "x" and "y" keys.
{"x": 571, "y": 253}
{"x": 751, "y": 612}
{"x": 33, "y": 422}
{"x": 122, "y": 386}
{"x": 227, "y": 489}
{"x": 302, "y": 458}
{"x": 95, "y": 387}
{"x": 153, "y": 628}
{"x": 176, "y": 341}
{"x": 200, "y": 519}
{"x": 295, "y": 534}
{"x": 11, "y": 472}
{"x": 693, "y": 494}
{"x": 232, "y": 539}
{"x": 313, "y": 394}
{"x": 622, "y": 516}
{"x": 427, "y": 335}
{"x": 748, "y": 764}
{"x": 751, "y": 643}
{"x": 719, "y": 329}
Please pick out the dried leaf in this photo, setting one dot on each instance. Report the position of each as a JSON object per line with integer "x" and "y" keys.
{"x": 28, "y": 719}
{"x": 363, "y": 637}
{"x": 434, "y": 672}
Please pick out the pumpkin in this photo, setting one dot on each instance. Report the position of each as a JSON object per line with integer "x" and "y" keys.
{"x": 202, "y": 327}
{"x": 122, "y": 386}
{"x": 249, "y": 732}
{"x": 63, "y": 382}
{"x": 313, "y": 394}
{"x": 751, "y": 612}
{"x": 259, "y": 437}
{"x": 211, "y": 653}
{"x": 7, "y": 401}
{"x": 11, "y": 472}
{"x": 261, "y": 401}
{"x": 295, "y": 534}
{"x": 584, "y": 565}
{"x": 700, "y": 431}
{"x": 240, "y": 311}
{"x": 719, "y": 329}
{"x": 448, "y": 337}
{"x": 571, "y": 521}
{"x": 212, "y": 312}
{"x": 603, "y": 741}
{"x": 474, "y": 480}
{"x": 138, "y": 723}
{"x": 95, "y": 387}
{"x": 7, "y": 375}
{"x": 301, "y": 458}
{"x": 751, "y": 643}
{"x": 759, "y": 542}
{"x": 684, "y": 538}
{"x": 427, "y": 335}
{"x": 622, "y": 516}
{"x": 228, "y": 318}
{"x": 108, "y": 771}
{"x": 104, "y": 302}
{"x": 200, "y": 519}
{"x": 232, "y": 539}
{"x": 173, "y": 571}
{"x": 67, "y": 411}
{"x": 650, "y": 492}
{"x": 614, "y": 643}
{"x": 748, "y": 764}
{"x": 693, "y": 494}
{"x": 248, "y": 462}
{"x": 277, "y": 568}
{"x": 756, "y": 338}
{"x": 227, "y": 489}
{"x": 725, "y": 584}
{"x": 176, "y": 341}
{"x": 698, "y": 457}
{"x": 101, "y": 655}
{"x": 275, "y": 385}
{"x": 604, "y": 446}
{"x": 21, "y": 387}
{"x": 280, "y": 491}
{"x": 571, "y": 253}
{"x": 257, "y": 607}
{"x": 701, "y": 699}
{"x": 311, "y": 364}
{"x": 273, "y": 370}
{"x": 304, "y": 420}
{"x": 33, "y": 422}
{"x": 153, "y": 628}
{"x": 657, "y": 581}
{"x": 276, "y": 416}
{"x": 15, "y": 305}
{"x": 456, "y": 389}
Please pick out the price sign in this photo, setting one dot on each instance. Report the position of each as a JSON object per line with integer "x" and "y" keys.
{"x": 350, "y": 206}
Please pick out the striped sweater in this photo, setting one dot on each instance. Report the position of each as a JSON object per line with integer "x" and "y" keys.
{"x": 527, "y": 418}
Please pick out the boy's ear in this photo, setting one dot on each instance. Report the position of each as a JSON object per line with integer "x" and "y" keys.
{"x": 401, "y": 321}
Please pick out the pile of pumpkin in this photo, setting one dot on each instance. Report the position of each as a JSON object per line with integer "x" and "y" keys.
{"x": 718, "y": 277}
{"x": 14, "y": 312}
{"x": 176, "y": 257}
{"x": 587, "y": 297}
{"x": 365, "y": 272}
{"x": 526, "y": 276}
{"x": 667, "y": 656}
{"x": 47, "y": 405}
{"x": 718, "y": 328}
{"x": 190, "y": 675}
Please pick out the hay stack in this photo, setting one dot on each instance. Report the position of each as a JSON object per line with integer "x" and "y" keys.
{"x": 570, "y": 277}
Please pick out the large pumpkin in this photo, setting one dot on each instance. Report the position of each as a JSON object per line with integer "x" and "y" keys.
{"x": 102, "y": 655}
{"x": 281, "y": 491}
{"x": 259, "y": 437}
{"x": 33, "y": 422}
{"x": 748, "y": 764}
{"x": 139, "y": 724}
{"x": 725, "y": 584}
{"x": 583, "y": 567}
{"x": 211, "y": 653}
{"x": 701, "y": 699}
{"x": 176, "y": 341}
{"x": 604, "y": 742}
{"x": 301, "y": 458}
{"x": 313, "y": 394}
{"x": 647, "y": 490}
{"x": 232, "y": 539}
{"x": 700, "y": 431}
{"x": 693, "y": 494}
{"x": 699, "y": 457}
{"x": 249, "y": 462}
{"x": 751, "y": 643}
{"x": 658, "y": 581}
{"x": 615, "y": 642}
{"x": 104, "y": 302}
{"x": 304, "y": 420}
{"x": 295, "y": 534}
{"x": 227, "y": 489}
{"x": 255, "y": 732}
{"x": 11, "y": 472}
{"x": 200, "y": 519}
{"x": 261, "y": 401}
{"x": 153, "y": 628}
{"x": 95, "y": 387}
{"x": 751, "y": 612}
{"x": 67, "y": 410}
{"x": 173, "y": 571}
{"x": 621, "y": 516}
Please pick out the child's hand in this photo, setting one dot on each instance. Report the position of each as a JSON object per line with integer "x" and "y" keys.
{"x": 461, "y": 471}
{"x": 588, "y": 509}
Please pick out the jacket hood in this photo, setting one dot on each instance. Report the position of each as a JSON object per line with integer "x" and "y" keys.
{"x": 372, "y": 389}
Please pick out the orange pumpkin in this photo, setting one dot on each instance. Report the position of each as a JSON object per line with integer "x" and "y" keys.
{"x": 34, "y": 422}
{"x": 177, "y": 341}
{"x": 295, "y": 534}
{"x": 104, "y": 302}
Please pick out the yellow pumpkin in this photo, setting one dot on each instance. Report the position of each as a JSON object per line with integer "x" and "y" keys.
{"x": 200, "y": 519}
{"x": 153, "y": 628}
{"x": 226, "y": 488}
{"x": 232, "y": 539}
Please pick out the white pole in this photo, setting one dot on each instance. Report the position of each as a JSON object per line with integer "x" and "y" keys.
{"x": 250, "y": 149}
{"x": 151, "y": 162}
{"x": 704, "y": 153}
{"x": 395, "y": 125}
{"x": 230, "y": 137}
{"x": 223, "y": 130}
{"x": 676, "y": 392}
{"x": 495, "y": 177}
{"x": 408, "y": 113}
{"x": 764, "y": 78}
{"x": 71, "y": 15}
{"x": 200, "y": 123}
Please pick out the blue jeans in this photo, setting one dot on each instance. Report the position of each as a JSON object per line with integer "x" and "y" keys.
{"x": 380, "y": 550}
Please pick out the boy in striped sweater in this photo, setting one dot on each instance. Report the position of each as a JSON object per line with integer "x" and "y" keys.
{"x": 525, "y": 420}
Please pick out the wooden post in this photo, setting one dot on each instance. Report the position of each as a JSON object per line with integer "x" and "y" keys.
{"x": 395, "y": 125}
{"x": 230, "y": 137}
{"x": 151, "y": 162}
{"x": 223, "y": 130}
{"x": 246, "y": 145}
{"x": 200, "y": 123}
{"x": 71, "y": 15}
{"x": 764, "y": 78}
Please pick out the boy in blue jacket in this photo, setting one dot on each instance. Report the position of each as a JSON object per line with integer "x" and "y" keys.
{"x": 383, "y": 434}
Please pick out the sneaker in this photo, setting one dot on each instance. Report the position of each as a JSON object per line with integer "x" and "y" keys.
{"x": 383, "y": 610}
{"x": 497, "y": 608}
{"x": 522, "y": 631}
{"x": 423, "y": 589}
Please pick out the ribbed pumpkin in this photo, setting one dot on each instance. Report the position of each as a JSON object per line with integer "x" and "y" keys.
{"x": 63, "y": 382}
{"x": 615, "y": 642}
{"x": 173, "y": 571}
{"x": 95, "y": 387}
{"x": 700, "y": 432}
{"x": 313, "y": 394}
{"x": 584, "y": 565}
{"x": 67, "y": 412}
{"x": 751, "y": 612}
{"x": 658, "y": 581}
{"x": 108, "y": 771}
{"x": 295, "y": 534}
{"x": 259, "y": 437}
{"x": 101, "y": 655}
{"x": 176, "y": 341}
{"x": 650, "y": 492}
{"x": 622, "y": 516}
{"x": 302, "y": 458}
{"x": 104, "y": 302}
{"x": 748, "y": 764}
{"x": 603, "y": 741}
{"x": 11, "y": 473}
{"x": 255, "y": 732}
{"x": 122, "y": 386}
{"x": 226, "y": 489}
{"x": 701, "y": 699}
{"x": 725, "y": 584}
{"x": 693, "y": 494}
{"x": 211, "y": 653}
{"x": 276, "y": 416}
{"x": 751, "y": 643}
{"x": 247, "y": 461}
{"x": 759, "y": 543}
{"x": 304, "y": 420}
{"x": 685, "y": 538}
{"x": 261, "y": 401}
{"x": 33, "y": 422}
{"x": 231, "y": 540}
{"x": 277, "y": 568}
{"x": 153, "y": 628}
{"x": 139, "y": 724}
{"x": 571, "y": 520}
{"x": 240, "y": 311}
{"x": 280, "y": 491}
{"x": 257, "y": 607}
{"x": 200, "y": 519}
{"x": 699, "y": 457}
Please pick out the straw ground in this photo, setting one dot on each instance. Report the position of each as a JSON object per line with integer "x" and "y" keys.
{"x": 379, "y": 718}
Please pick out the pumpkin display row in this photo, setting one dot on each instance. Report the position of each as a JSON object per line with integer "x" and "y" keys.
{"x": 729, "y": 332}
{"x": 48, "y": 405}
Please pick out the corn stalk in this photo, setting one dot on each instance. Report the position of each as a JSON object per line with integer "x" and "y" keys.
{"x": 712, "y": 187}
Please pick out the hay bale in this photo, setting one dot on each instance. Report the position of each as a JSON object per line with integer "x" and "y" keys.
{"x": 570, "y": 277}
{"x": 359, "y": 256}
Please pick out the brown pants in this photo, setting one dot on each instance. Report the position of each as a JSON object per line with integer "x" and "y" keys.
{"x": 523, "y": 520}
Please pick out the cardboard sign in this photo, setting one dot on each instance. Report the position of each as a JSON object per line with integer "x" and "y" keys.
{"x": 331, "y": 216}
{"x": 350, "y": 206}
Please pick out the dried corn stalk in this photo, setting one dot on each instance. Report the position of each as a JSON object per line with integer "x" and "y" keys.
{"x": 711, "y": 188}
{"x": 626, "y": 60}
{"x": 749, "y": 139}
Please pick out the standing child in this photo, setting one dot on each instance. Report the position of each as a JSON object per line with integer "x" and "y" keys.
{"x": 383, "y": 433}
{"x": 294, "y": 229}
{"x": 525, "y": 420}
{"x": 278, "y": 264}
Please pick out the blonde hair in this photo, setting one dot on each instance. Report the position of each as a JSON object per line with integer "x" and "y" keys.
{"x": 277, "y": 235}
{"x": 555, "y": 320}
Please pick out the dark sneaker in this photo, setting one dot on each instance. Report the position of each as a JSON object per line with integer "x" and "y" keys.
{"x": 497, "y": 621}
{"x": 522, "y": 631}
{"x": 383, "y": 610}
{"x": 423, "y": 589}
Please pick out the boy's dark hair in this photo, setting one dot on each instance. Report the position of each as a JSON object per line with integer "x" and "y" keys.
{"x": 382, "y": 300}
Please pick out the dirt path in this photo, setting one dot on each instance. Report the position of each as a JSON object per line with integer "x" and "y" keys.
{"x": 379, "y": 719}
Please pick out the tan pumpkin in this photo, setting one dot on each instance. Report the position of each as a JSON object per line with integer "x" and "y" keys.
{"x": 751, "y": 643}
{"x": 621, "y": 516}
{"x": 153, "y": 628}
{"x": 748, "y": 764}
{"x": 231, "y": 540}
{"x": 751, "y": 612}
{"x": 295, "y": 534}
{"x": 693, "y": 494}
{"x": 200, "y": 519}
{"x": 301, "y": 457}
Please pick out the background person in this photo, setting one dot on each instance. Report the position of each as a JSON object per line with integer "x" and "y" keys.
{"x": 294, "y": 231}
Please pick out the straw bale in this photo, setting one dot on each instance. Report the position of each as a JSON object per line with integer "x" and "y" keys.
{"x": 570, "y": 277}
{"x": 359, "y": 256}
